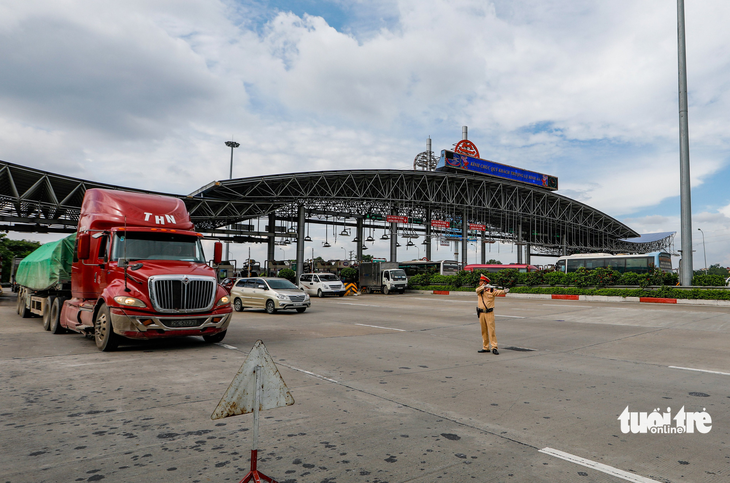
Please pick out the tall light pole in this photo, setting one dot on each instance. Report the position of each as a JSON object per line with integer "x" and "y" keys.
{"x": 704, "y": 250}
{"x": 232, "y": 145}
{"x": 685, "y": 191}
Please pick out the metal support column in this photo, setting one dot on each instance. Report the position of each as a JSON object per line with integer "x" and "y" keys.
{"x": 483, "y": 247}
{"x": 428, "y": 230}
{"x": 300, "y": 241}
{"x": 465, "y": 237}
{"x": 519, "y": 243}
{"x": 270, "y": 245}
{"x": 393, "y": 241}
{"x": 527, "y": 253}
{"x": 359, "y": 237}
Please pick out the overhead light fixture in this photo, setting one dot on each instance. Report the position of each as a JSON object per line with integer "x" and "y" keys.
{"x": 410, "y": 244}
{"x": 385, "y": 237}
{"x": 370, "y": 238}
{"x": 326, "y": 245}
{"x": 397, "y": 244}
{"x": 364, "y": 247}
{"x": 344, "y": 232}
{"x": 307, "y": 238}
{"x": 355, "y": 240}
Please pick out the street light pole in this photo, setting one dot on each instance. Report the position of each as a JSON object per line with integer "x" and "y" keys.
{"x": 685, "y": 190}
{"x": 232, "y": 145}
{"x": 704, "y": 250}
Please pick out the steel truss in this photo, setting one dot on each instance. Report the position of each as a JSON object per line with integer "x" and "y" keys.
{"x": 35, "y": 200}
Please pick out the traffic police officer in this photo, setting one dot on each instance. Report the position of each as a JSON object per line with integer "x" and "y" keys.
{"x": 485, "y": 309}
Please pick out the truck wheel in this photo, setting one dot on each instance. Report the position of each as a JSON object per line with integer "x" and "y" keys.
{"x": 23, "y": 310}
{"x": 238, "y": 305}
{"x": 270, "y": 309}
{"x": 212, "y": 339}
{"x": 401, "y": 291}
{"x": 386, "y": 290}
{"x": 106, "y": 339}
{"x": 319, "y": 293}
{"x": 19, "y": 301}
{"x": 55, "y": 316}
{"x": 47, "y": 313}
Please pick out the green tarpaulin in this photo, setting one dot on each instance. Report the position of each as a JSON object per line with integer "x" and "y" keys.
{"x": 49, "y": 265}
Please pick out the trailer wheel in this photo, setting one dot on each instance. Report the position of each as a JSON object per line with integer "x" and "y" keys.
{"x": 55, "y": 316}
{"x": 212, "y": 339}
{"x": 47, "y": 313}
{"x": 106, "y": 339}
{"x": 18, "y": 301}
{"x": 23, "y": 310}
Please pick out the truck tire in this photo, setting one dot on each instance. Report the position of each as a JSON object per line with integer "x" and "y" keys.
{"x": 23, "y": 310}
{"x": 47, "y": 313}
{"x": 212, "y": 339}
{"x": 106, "y": 339}
{"x": 237, "y": 305}
{"x": 55, "y": 316}
{"x": 18, "y": 301}
{"x": 386, "y": 290}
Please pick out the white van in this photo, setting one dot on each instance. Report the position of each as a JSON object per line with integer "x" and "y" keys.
{"x": 321, "y": 284}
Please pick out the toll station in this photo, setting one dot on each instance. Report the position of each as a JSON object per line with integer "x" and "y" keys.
{"x": 455, "y": 198}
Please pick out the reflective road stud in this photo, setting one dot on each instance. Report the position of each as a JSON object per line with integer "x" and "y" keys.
{"x": 257, "y": 386}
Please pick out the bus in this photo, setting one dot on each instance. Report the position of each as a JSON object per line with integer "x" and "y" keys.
{"x": 496, "y": 268}
{"x": 642, "y": 263}
{"x": 441, "y": 267}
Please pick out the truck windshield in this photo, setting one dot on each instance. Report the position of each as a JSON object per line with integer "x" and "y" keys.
{"x": 398, "y": 274}
{"x": 157, "y": 246}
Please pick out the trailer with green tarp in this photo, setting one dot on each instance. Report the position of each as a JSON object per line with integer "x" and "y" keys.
{"x": 44, "y": 278}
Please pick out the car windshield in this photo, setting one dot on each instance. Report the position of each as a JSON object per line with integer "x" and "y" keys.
{"x": 398, "y": 274}
{"x": 328, "y": 277}
{"x": 157, "y": 246}
{"x": 281, "y": 284}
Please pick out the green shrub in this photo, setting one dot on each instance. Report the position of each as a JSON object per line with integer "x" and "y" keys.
{"x": 422, "y": 279}
{"x": 605, "y": 276}
{"x": 288, "y": 274}
{"x": 555, "y": 278}
{"x": 349, "y": 274}
{"x": 505, "y": 278}
{"x": 708, "y": 280}
{"x": 534, "y": 278}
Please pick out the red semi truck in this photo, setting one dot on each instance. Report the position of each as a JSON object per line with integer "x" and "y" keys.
{"x": 137, "y": 271}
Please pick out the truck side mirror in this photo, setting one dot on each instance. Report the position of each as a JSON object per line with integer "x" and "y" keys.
{"x": 84, "y": 246}
{"x": 218, "y": 253}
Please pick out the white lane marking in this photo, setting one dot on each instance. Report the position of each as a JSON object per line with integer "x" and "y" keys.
{"x": 309, "y": 373}
{"x": 609, "y": 470}
{"x": 567, "y": 305}
{"x": 444, "y": 300}
{"x": 361, "y": 305}
{"x": 97, "y": 363}
{"x": 510, "y": 316}
{"x": 226, "y": 346}
{"x": 379, "y": 327}
{"x": 700, "y": 370}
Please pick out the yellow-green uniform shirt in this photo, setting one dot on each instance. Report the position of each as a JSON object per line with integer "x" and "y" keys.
{"x": 486, "y": 298}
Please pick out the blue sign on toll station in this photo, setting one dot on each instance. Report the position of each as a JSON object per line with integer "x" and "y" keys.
{"x": 456, "y": 161}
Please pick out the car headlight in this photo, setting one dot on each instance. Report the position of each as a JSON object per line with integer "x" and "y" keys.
{"x": 129, "y": 301}
{"x": 225, "y": 300}
{"x": 281, "y": 296}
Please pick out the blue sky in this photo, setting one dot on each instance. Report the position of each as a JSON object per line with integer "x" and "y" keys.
{"x": 143, "y": 93}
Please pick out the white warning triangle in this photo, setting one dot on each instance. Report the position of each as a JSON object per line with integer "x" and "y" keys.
{"x": 241, "y": 394}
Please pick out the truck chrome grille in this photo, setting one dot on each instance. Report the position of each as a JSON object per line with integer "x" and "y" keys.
{"x": 182, "y": 294}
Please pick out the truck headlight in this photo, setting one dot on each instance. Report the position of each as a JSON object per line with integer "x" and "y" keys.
{"x": 129, "y": 301}
{"x": 225, "y": 300}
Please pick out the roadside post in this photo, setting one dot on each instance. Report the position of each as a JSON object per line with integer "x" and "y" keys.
{"x": 257, "y": 386}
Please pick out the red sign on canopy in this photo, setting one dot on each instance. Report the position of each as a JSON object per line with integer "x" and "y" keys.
{"x": 396, "y": 219}
{"x": 440, "y": 224}
{"x": 477, "y": 227}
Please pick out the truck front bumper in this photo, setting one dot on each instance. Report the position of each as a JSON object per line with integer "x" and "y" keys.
{"x": 139, "y": 326}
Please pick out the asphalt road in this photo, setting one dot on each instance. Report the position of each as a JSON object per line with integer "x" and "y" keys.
{"x": 387, "y": 389}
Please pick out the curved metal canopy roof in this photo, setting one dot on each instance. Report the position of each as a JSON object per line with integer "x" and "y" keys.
{"x": 35, "y": 200}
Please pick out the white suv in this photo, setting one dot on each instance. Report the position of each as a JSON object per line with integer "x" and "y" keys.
{"x": 321, "y": 284}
